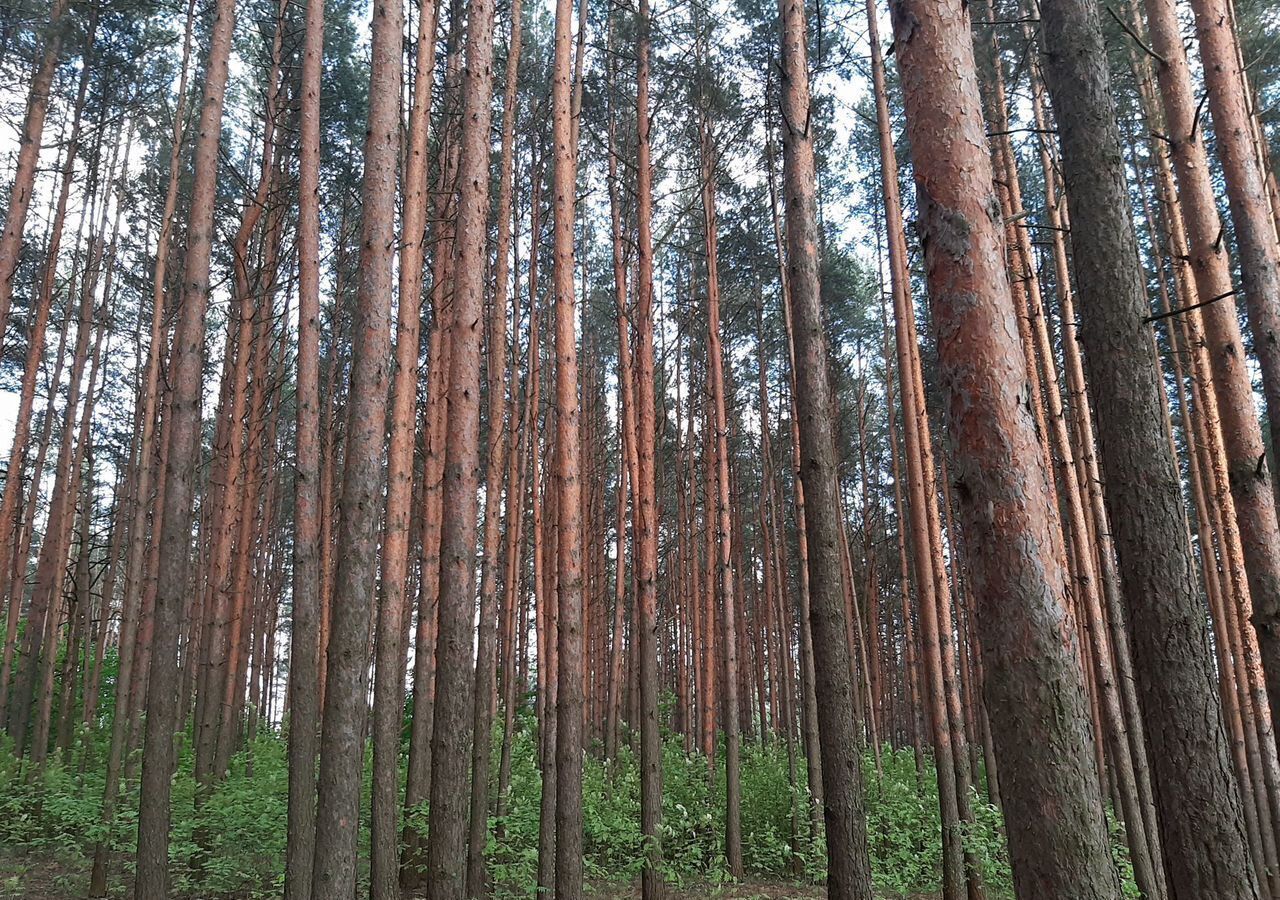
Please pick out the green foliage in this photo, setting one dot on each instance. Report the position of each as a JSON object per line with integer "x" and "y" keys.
{"x": 234, "y": 846}
{"x": 49, "y": 812}
{"x": 904, "y": 831}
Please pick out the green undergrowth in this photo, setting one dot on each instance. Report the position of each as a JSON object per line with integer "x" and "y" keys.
{"x": 238, "y": 850}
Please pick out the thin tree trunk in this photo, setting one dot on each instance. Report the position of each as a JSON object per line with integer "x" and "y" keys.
{"x": 304, "y": 648}
{"x": 11, "y": 502}
{"x": 849, "y": 870}
{"x": 645, "y": 537}
{"x": 186, "y": 364}
{"x": 346, "y": 684}
{"x": 51, "y": 561}
{"x": 715, "y": 361}
{"x": 24, "y": 176}
{"x": 388, "y": 704}
{"x": 452, "y": 728}
{"x": 569, "y": 562}
{"x": 496, "y": 451}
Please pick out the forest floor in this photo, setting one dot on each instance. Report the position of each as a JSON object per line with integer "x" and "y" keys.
{"x": 748, "y": 890}
{"x": 42, "y": 876}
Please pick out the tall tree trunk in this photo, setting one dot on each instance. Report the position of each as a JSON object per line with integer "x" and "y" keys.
{"x": 548, "y": 668}
{"x": 51, "y": 561}
{"x": 451, "y": 731}
{"x": 569, "y": 563}
{"x": 233, "y": 517}
{"x": 626, "y": 408}
{"x": 1201, "y": 824}
{"x": 11, "y": 502}
{"x": 413, "y": 865}
{"x": 1251, "y": 214}
{"x": 910, "y": 665}
{"x": 346, "y": 684}
{"x": 922, "y": 503}
{"x": 185, "y": 369}
{"x": 1127, "y": 756}
{"x": 304, "y": 648}
{"x": 514, "y": 597}
{"x": 388, "y": 705}
{"x": 1249, "y": 477}
{"x": 645, "y": 524}
{"x": 498, "y": 448}
{"x": 1036, "y": 693}
{"x": 849, "y": 870}
{"x": 808, "y": 689}
{"x": 715, "y": 363}
{"x": 24, "y": 176}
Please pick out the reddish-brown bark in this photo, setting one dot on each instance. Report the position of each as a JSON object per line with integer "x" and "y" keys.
{"x": 1248, "y": 475}
{"x": 452, "y": 729}
{"x": 1251, "y": 213}
{"x": 24, "y": 176}
{"x": 569, "y": 535}
{"x": 1035, "y": 692}
{"x": 183, "y": 449}
{"x": 497, "y": 450}
{"x": 304, "y": 648}
{"x": 388, "y": 706}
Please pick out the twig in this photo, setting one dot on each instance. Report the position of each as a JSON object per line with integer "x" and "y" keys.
{"x": 1133, "y": 34}
{"x": 1195, "y": 123}
{"x": 1182, "y": 309}
{"x": 1026, "y": 130}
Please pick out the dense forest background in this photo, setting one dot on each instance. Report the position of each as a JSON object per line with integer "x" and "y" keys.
{"x": 481, "y": 448}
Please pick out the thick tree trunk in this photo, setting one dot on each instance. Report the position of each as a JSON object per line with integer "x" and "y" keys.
{"x": 1127, "y": 756}
{"x": 808, "y": 690}
{"x": 930, "y": 580}
{"x": 1035, "y": 692}
{"x": 1201, "y": 823}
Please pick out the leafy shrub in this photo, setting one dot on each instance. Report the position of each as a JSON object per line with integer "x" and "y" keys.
{"x": 234, "y": 845}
